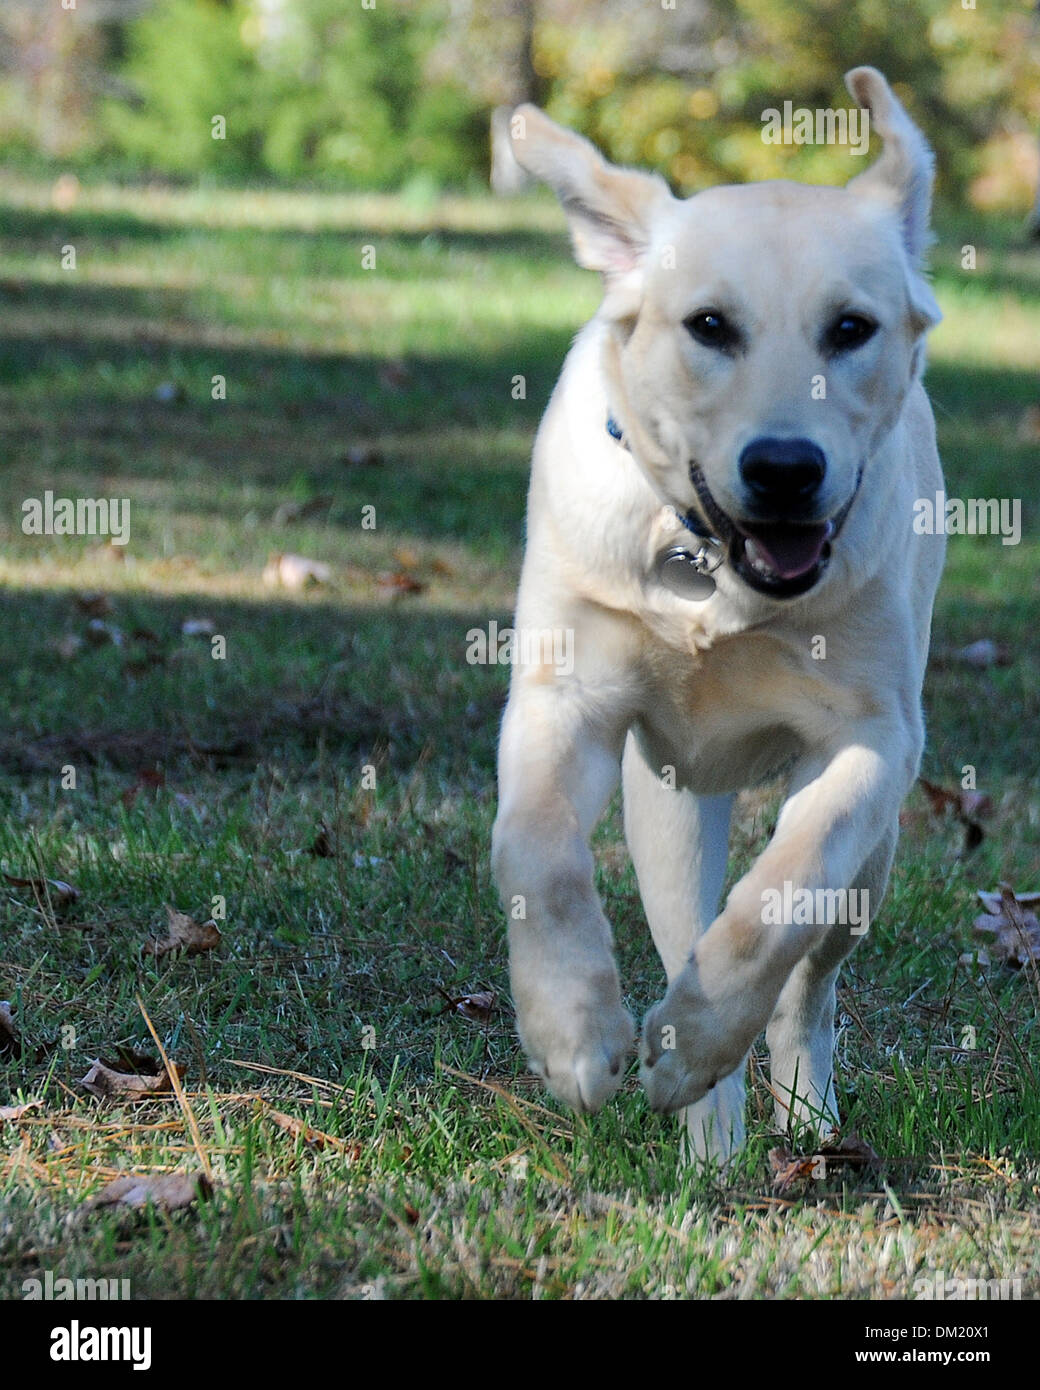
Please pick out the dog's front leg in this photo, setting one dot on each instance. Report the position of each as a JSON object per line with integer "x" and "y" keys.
{"x": 557, "y": 769}
{"x": 840, "y": 809}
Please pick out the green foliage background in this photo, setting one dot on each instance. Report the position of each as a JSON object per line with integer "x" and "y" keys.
{"x": 338, "y": 94}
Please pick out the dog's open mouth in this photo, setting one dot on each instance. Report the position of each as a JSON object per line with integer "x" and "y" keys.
{"x": 781, "y": 558}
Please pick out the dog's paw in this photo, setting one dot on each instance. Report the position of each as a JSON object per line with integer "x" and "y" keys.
{"x": 687, "y": 1049}
{"x": 577, "y": 1042}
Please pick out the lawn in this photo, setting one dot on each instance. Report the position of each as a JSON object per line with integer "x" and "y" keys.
{"x": 323, "y": 783}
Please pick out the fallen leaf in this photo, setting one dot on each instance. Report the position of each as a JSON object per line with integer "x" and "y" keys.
{"x": 1014, "y": 928}
{"x": 149, "y": 779}
{"x": 15, "y": 1112}
{"x": 408, "y": 559}
{"x": 992, "y": 901}
{"x": 399, "y": 582}
{"x": 476, "y": 1007}
{"x": 295, "y": 572}
{"x": 109, "y": 1084}
{"x": 10, "y": 1043}
{"x": 983, "y": 654}
{"x": 167, "y": 1191}
{"x": 441, "y": 567}
{"x": 94, "y": 605}
{"x": 852, "y": 1151}
{"x": 56, "y": 891}
{"x": 322, "y": 846}
{"x": 129, "y": 1060}
{"x": 967, "y": 807}
{"x": 185, "y": 934}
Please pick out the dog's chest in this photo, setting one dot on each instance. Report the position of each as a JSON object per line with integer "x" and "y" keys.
{"x": 730, "y": 716}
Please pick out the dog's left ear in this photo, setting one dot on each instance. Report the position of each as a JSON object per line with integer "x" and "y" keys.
{"x": 611, "y": 210}
{"x": 901, "y": 176}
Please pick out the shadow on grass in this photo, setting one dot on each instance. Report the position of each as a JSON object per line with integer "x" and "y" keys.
{"x": 357, "y": 684}
{"x": 46, "y": 230}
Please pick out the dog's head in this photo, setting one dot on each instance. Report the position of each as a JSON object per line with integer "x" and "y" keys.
{"x": 762, "y": 338}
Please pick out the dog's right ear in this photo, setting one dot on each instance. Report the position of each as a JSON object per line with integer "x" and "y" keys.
{"x": 611, "y": 210}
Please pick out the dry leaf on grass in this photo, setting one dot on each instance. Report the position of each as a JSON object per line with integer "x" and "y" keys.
{"x": 185, "y": 934}
{"x": 53, "y": 890}
{"x": 789, "y": 1168}
{"x": 108, "y": 1084}
{"x": 1013, "y": 927}
{"x": 10, "y": 1042}
{"x": 967, "y": 807}
{"x": 983, "y": 654}
{"x": 323, "y": 846}
{"x": 15, "y": 1112}
{"x": 398, "y": 583}
{"x": 295, "y": 572}
{"x": 167, "y": 1191}
{"x": 477, "y": 1007}
{"x": 149, "y": 779}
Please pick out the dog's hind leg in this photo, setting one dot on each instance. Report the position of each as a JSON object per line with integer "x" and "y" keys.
{"x": 679, "y": 842}
{"x": 800, "y": 1033}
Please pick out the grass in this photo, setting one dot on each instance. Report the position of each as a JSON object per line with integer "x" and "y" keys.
{"x": 443, "y": 1171}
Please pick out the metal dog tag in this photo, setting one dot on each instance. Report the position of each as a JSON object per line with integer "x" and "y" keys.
{"x": 687, "y": 574}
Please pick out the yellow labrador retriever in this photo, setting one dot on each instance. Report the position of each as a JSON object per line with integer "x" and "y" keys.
{"x": 720, "y": 527}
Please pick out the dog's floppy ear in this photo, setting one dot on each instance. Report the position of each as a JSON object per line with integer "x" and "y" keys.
{"x": 610, "y": 210}
{"x": 901, "y": 176}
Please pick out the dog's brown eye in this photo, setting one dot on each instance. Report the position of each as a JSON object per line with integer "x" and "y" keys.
{"x": 711, "y": 328}
{"x": 849, "y": 331}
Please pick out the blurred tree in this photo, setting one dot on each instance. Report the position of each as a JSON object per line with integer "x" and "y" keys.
{"x": 366, "y": 97}
{"x": 305, "y": 88}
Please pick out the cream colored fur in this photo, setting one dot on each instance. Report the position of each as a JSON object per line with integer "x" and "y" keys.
{"x": 725, "y": 691}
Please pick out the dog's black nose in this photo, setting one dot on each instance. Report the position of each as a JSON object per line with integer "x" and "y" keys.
{"x": 782, "y": 473}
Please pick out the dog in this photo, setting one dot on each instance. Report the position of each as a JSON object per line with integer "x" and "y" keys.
{"x": 720, "y": 518}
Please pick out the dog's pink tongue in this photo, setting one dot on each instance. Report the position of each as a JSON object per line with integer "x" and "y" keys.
{"x": 789, "y": 551}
